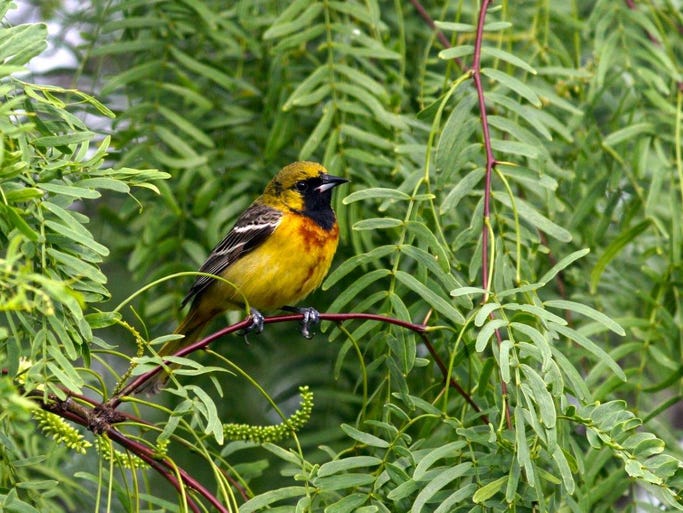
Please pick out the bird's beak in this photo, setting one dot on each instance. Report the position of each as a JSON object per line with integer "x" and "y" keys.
{"x": 329, "y": 182}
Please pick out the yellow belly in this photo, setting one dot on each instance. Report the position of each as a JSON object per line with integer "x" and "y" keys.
{"x": 282, "y": 271}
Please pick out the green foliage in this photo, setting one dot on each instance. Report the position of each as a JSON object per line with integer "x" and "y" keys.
{"x": 550, "y": 290}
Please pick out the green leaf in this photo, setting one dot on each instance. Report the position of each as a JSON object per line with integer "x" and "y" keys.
{"x": 132, "y": 75}
{"x": 77, "y": 236}
{"x": 513, "y": 84}
{"x": 293, "y": 10}
{"x": 536, "y": 311}
{"x": 142, "y": 45}
{"x": 485, "y": 312}
{"x": 504, "y": 352}
{"x": 515, "y": 148}
{"x": 70, "y": 190}
{"x": 63, "y": 140}
{"x": 541, "y": 396}
{"x": 358, "y": 261}
{"x": 432, "y": 298}
{"x": 590, "y": 346}
{"x": 376, "y": 193}
{"x": 353, "y": 291}
{"x": 43, "y": 484}
{"x": 388, "y": 119}
{"x": 102, "y": 319}
{"x": 486, "y": 332}
{"x": 497, "y": 53}
{"x": 489, "y": 490}
{"x": 613, "y": 250}
{"x": 430, "y": 262}
{"x": 467, "y": 291}
{"x": 364, "y": 438}
{"x": 311, "y": 98}
{"x": 321, "y": 76}
{"x": 104, "y": 183}
{"x": 436, "y": 483}
{"x": 266, "y": 499}
{"x": 210, "y": 412}
{"x": 346, "y": 464}
{"x": 344, "y": 481}
{"x": 77, "y": 267}
{"x": 18, "y": 45}
{"x": 348, "y": 504}
{"x": 403, "y": 490}
{"x": 452, "y": 26}
{"x": 562, "y": 264}
{"x": 565, "y": 470}
{"x": 539, "y": 340}
{"x": 629, "y": 133}
{"x": 586, "y": 310}
{"x": 175, "y": 142}
{"x": 209, "y": 72}
{"x": 496, "y": 26}
{"x": 319, "y": 132}
{"x": 449, "y": 450}
{"x": 365, "y": 137}
{"x": 428, "y": 238}
{"x": 18, "y": 222}
{"x": 377, "y": 223}
{"x": 464, "y": 186}
{"x": 531, "y": 215}
{"x": 456, "y": 52}
{"x": 185, "y": 126}
{"x": 462, "y": 495}
{"x": 303, "y": 20}
{"x": 522, "y": 445}
{"x": 363, "y": 80}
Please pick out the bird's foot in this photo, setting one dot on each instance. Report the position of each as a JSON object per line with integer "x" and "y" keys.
{"x": 311, "y": 318}
{"x": 256, "y": 325}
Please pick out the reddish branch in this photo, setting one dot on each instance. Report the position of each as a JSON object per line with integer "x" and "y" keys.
{"x": 490, "y": 164}
{"x": 440, "y": 35}
{"x": 475, "y": 71}
{"x": 101, "y": 418}
{"x": 490, "y": 159}
{"x": 420, "y": 329}
{"x": 93, "y": 419}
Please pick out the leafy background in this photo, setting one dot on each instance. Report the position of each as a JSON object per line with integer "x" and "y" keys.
{"x": 543, "y": 255}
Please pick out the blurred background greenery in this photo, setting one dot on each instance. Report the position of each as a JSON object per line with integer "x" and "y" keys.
{"x": 584, "y": 103}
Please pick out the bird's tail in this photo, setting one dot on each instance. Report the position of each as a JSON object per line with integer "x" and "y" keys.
{"x": 192, "y": 326}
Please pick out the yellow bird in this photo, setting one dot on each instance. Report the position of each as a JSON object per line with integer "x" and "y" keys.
{"x": 276, "y": 254}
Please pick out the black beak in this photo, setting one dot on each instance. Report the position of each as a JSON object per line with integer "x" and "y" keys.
{"x": 329, "y": 182}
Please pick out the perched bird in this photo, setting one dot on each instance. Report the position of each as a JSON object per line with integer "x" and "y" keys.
{"x": 278, "y": 252}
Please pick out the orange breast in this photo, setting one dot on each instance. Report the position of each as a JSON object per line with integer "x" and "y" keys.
{"x": 287, "y": 267}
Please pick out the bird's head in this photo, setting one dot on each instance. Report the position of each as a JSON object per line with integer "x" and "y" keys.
{"x": 303, "y": 187}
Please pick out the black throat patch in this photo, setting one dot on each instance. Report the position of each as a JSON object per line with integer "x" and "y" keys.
{"x": 317, "y": 205}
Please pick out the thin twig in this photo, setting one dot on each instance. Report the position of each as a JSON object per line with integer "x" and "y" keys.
{"x": 490, "y": 165}
{"x": 420, "y": 329}
{"x": 100, "y": 418}
{"x": 440, "y": 35}
{"x": 88, "y": 418}
{"x": 490, "y": 159}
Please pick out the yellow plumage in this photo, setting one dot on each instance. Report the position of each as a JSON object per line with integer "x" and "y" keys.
{"x": 278, "y": 252}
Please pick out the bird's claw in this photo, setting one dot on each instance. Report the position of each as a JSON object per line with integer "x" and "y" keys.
{"x": 256, "y": 325}
{"x": 311, "y": 317}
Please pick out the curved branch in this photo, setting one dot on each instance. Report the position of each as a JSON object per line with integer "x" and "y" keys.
{"x": 88, "y": 418}
{"x": 440, "y": 35}
{"x": 486, "y": 259}
{"x": 101, "y": 417}
{"x": 420, "y": 329}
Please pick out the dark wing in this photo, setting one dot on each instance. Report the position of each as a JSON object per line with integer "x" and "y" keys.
{"x": 249, "y": 232}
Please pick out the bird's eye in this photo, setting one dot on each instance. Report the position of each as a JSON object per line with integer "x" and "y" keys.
{"x": 301, "y": 186}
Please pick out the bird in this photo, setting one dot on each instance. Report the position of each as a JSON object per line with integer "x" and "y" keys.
{"x": 278, "y": 252}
